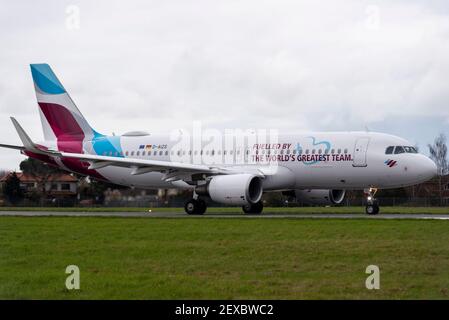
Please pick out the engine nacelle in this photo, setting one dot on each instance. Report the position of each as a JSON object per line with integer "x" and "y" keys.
{"x": 237, "y": 189}
{"x": 320, "y": 196}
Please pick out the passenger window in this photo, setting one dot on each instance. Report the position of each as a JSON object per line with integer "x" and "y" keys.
{"x": 333, "y": 151}
{"x": 320, "y": 151}
{"x": 399, "y": 150}
{"x": 307, "y": 151}
{"x": 127, "y": 153}
{"x": 160, "y": 153}
{"x": 339, "y": 151}
{"x": 166, "y": 153}
{"x": 346, "y": 150}
{"x": 389, "y": 150}
{"x": 132, "y": 153}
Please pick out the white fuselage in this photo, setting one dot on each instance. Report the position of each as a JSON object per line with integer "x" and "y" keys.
{"x": 317, "y": 160}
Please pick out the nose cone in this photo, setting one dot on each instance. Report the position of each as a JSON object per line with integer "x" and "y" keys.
{"x": 428, "y": 169}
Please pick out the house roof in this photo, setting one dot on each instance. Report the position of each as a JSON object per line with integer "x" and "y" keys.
{"x": 58, "y": 177}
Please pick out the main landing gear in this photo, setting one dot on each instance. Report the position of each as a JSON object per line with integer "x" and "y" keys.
{"x": 372, "y": 205}
{"x": 254, "y": 208}
{"x": 195, "y": 206}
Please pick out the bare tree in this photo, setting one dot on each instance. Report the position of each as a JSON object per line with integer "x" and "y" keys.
{"x": 438, "y": 153}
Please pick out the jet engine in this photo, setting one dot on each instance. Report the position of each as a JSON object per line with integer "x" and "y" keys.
{"x": 236, "y": 189}
{"x": 320, "y": 196}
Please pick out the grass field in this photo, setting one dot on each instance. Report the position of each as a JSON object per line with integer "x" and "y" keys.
{"x": 138, "y": 258}
{"x": 268, "y": 210}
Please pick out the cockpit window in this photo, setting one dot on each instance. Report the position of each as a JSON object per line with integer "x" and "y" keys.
{"x": 389, "y": 150}
{"x": 410, "y": 150}
{"x": 399, "y": 149}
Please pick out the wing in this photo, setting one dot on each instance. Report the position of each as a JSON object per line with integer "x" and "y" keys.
{"x": 172, "y": 170}
{"x": 10, "y": 146}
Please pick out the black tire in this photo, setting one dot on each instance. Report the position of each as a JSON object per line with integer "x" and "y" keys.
{"x": 372, "y": 209}
{"x": 255, "y": 208}
{"x": 376, "y": 208}
{"x": 195, "y": 206}
{"x": 202, "y": 206}
{"x": 191, "y": 206}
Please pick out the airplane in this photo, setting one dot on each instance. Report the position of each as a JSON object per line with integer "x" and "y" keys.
{"x": 314, "y": 167}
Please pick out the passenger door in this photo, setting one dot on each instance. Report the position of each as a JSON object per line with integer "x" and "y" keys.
{"x": 360, "y": 150}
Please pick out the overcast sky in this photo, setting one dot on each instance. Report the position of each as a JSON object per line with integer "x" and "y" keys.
{"x": 291, "y": 65}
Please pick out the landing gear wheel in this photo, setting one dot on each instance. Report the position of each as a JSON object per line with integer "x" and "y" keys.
{"x": 202, "y": 206}
{"x": 255, "y": 208}
{"x": 372, "y": 209}
{"x": 195, "y": 206}
{"x": 372, "y": 205}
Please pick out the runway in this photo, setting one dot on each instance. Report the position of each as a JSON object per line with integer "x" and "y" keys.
{"x": 182, "y": 215}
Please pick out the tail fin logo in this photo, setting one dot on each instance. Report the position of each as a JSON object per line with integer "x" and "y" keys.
{"x": 45, "y": 80}
{"x": 61, "y": 119}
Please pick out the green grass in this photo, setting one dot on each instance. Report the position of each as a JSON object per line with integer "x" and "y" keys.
{"x": 267, "y": 210}
{"x": 139, "y": 258}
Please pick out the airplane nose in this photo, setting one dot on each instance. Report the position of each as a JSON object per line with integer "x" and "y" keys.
{"x": 428, "y": 169}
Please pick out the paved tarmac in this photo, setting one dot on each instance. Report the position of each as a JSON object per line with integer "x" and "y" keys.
{"x": 156, "y": 214}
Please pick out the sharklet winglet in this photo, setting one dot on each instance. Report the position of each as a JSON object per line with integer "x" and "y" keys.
{"x": 28, "y": 144}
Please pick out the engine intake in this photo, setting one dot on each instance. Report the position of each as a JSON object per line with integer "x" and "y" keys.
{"x": 236, "y": 189}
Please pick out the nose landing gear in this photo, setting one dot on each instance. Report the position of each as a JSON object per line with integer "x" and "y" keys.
{"x": 372, "y": 205}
